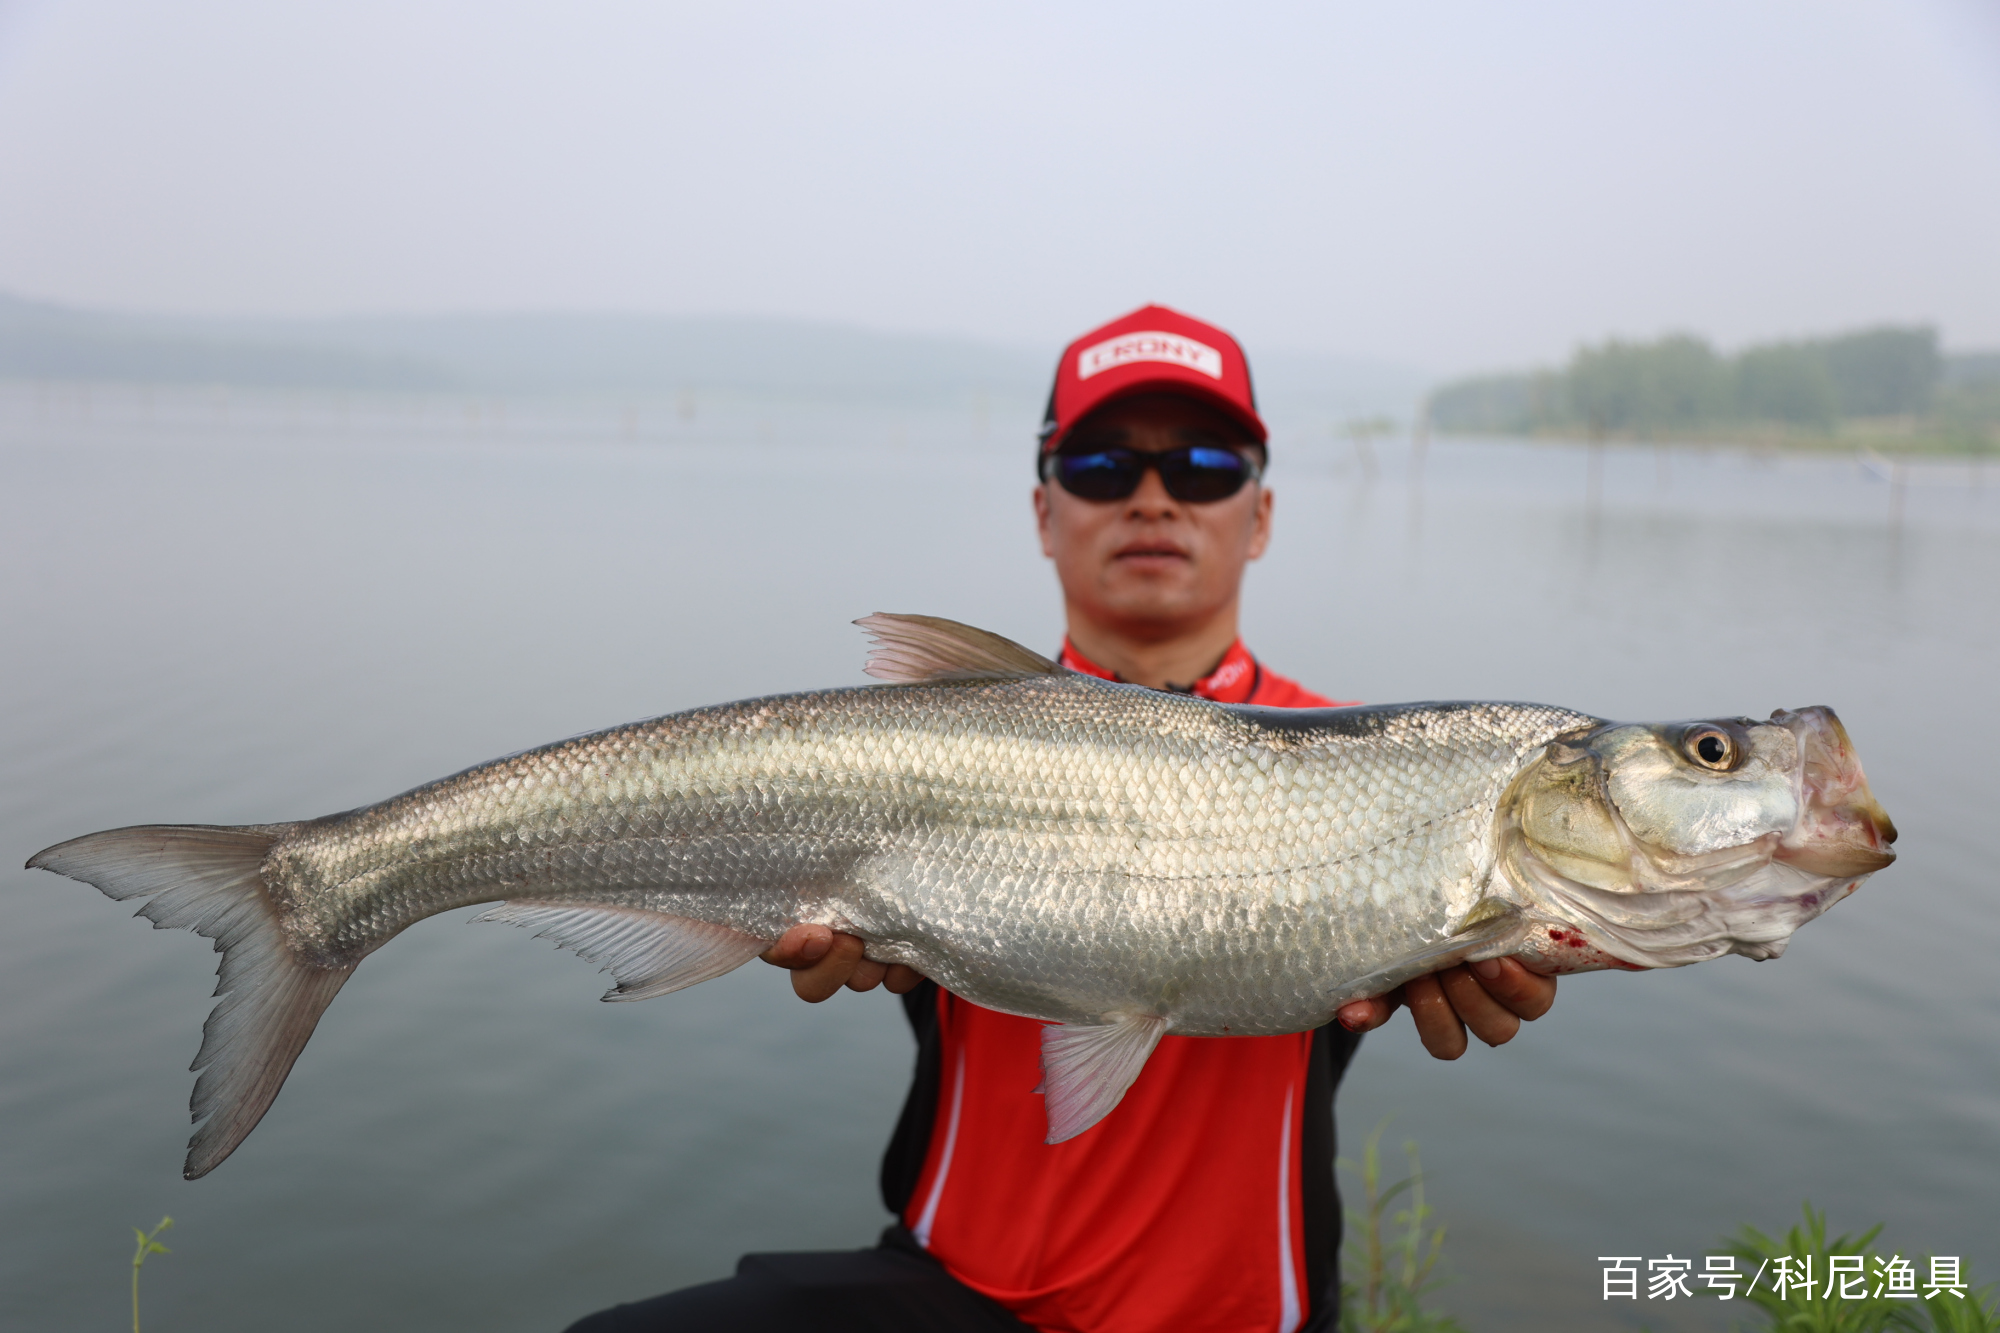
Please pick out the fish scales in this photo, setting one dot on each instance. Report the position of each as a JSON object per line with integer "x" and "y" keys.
{"x": 1055, "y": 846}
{"x": 1116, "y": 861}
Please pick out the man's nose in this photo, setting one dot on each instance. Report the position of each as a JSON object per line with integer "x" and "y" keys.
{"x": 1151, "y": 498}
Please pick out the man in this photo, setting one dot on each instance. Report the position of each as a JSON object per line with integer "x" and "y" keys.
{"x": 1205, "y": 1200}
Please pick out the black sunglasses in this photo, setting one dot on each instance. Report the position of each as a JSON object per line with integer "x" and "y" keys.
{"x": 1192, "y": 474}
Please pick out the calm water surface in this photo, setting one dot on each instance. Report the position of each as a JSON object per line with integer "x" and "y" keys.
{"x": 219, "y": 614}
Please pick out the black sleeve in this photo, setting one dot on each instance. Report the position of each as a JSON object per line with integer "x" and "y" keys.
{"x": 911, "y": 1143}
{"x": 1333, "y": 1046}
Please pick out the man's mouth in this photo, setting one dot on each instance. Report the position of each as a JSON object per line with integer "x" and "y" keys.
{"x": 1150, "y": 551}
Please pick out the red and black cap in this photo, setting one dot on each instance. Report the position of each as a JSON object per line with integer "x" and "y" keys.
{"x": 1151, "y": 350}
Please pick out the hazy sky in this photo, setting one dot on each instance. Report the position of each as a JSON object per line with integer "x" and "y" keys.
{"x": 1453, "y": 185}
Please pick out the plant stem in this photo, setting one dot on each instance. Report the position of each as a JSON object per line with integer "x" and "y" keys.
{"x": 148, "y": 1244}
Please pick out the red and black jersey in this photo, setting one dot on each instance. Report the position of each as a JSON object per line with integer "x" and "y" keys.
{"x": 1237, "y": 679}
{"x": 1204, "y": 1201}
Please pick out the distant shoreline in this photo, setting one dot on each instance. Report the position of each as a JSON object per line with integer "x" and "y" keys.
{"x": 1889, "y": 389}
{"x": 1892, "y": 437}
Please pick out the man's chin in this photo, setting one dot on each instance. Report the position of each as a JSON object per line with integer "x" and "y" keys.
{"x": 1144, "y": 575}
{"x": 1150, "y": 602}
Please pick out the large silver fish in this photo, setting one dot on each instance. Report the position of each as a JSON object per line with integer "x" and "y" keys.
{"x": 1120, "y": 862}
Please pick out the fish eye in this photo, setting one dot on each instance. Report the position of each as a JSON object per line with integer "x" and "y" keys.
{"x": 1711, "y": 747}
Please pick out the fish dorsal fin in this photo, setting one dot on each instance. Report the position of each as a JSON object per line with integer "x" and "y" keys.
{"x": 650, "y": 953}
{"x": 1086, "y": 1068}
{"x": 910, "y": 650}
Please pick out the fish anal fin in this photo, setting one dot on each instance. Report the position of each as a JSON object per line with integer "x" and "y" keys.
{"x": 1086, "y": 1068}
{"x": 910, "y": 650}
{"x": 209, "y": 879}
{"x": 649, "y": 953}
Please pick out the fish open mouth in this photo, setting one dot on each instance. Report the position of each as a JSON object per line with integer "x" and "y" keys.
{"x": 1843, "y": 830}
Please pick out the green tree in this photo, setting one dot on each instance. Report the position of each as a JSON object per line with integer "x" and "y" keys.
{"x": 1787, "y": 382}
{"x": 1677, "y": 382}
{"x": 1503, "y": 404}
{"x": 1500, "y": 404}
{"x": 1884, "y": 372}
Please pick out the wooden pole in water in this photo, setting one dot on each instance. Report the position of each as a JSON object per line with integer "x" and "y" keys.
{"x": 1420, "y": 443}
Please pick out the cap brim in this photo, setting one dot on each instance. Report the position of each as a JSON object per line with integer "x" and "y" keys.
{"x": 1178, "y": 386}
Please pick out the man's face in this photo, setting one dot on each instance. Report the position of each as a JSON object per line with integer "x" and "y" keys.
{"x": 1151, "y": 565}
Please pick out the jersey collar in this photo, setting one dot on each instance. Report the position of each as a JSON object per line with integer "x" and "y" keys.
{"x": 1233, "y": 680}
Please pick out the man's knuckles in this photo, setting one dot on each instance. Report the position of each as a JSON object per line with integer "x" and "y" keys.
{"x": 801, "y": 946}
{"x": 1438, "y": 1025}
{"x": 1527, "y": 995}
{"x": 814, "y": 985}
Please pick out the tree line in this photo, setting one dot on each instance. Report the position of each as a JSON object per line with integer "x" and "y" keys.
{"x": 1680, "y": 384}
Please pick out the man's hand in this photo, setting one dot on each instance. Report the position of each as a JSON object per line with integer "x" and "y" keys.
{"x": 1492, "y": 998}
{"x": 821, "y": 961}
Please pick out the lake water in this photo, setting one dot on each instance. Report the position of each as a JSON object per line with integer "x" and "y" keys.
{"x": 235, "y": 610}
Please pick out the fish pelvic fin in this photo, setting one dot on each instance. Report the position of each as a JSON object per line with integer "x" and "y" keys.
{"x": 209, "y": 879}
{"x": 649, "y": 953}
{"x": 1086, "y": 1068}
{"x": 911, "y": 650}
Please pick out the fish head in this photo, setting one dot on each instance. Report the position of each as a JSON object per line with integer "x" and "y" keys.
{"x": 1659, "y": 844}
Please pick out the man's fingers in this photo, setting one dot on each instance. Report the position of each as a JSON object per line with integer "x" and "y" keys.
{"x": 1492, "y": 998}
{"x": 801, "y": 946}
{"x": 822, "y": 960}
{"x": 1367, "y": 1015}
{"x": 1523, "y": 992}
{"x": 829, "y": 974}
{"x": 1437, "y": 1023}
{"x": 1487, "y": 1018}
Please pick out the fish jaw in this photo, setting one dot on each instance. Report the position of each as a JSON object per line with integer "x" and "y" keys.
{"x": 1843, "y": 831}
{"x": 1555, "y": 948}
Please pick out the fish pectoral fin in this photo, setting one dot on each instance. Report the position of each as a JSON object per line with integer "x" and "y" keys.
{"x": 910, "y": 650}
{"x": 1494, "y": 931}
{"x": 1086, "y": 1068}
{"x": 650, "y": 953}
{"x": 1487, "y": 910}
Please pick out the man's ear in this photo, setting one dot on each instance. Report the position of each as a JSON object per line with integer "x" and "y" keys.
{"x": 1042, "y": 520}
{"x": 1260, "y": 531}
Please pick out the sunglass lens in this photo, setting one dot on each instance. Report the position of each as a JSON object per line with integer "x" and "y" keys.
{"x": 1199, "y": 475}
{"x": 1193, "y": 475}
{"x": 1098, "y": 476}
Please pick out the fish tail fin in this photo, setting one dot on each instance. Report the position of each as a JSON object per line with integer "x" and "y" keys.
{"x": 209, "y": 879}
